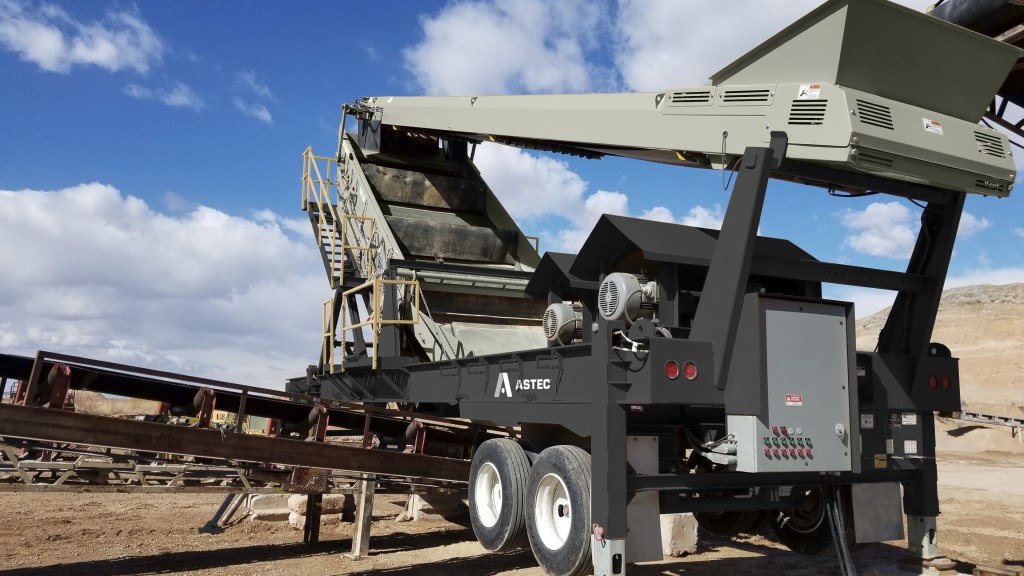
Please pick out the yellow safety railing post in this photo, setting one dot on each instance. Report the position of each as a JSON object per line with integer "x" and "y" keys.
{"x": 328, "y": 325}
{"x": 375, "y": 321}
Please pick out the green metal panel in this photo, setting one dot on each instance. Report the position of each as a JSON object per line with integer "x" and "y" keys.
{"x": 887, "y": 50}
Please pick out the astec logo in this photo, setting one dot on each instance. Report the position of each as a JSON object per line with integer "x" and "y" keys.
{"x": 504, "y": 387}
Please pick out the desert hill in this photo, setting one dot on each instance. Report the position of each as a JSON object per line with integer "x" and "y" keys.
{"x": 984, "y": 327}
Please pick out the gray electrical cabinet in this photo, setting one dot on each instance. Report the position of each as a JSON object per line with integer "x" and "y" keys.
{"x": 802, "y": 356}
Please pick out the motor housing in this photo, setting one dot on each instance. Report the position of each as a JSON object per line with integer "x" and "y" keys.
{"x": 563, "y": 323}
{"x": 627, "y": 297}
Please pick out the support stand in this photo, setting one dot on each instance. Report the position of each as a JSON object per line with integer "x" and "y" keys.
{"x": 364, "y": 517}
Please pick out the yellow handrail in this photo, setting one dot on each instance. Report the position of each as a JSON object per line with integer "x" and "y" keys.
{"x": 345, "y": 218}
{"x": 328, "y": 352}
{"x": 374, "y": 320}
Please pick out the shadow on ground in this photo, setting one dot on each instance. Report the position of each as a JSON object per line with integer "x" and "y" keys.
{"x": 176, "y": 562}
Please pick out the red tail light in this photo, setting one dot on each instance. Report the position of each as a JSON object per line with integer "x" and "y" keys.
{"x": 671, "y": 369}
{"x": 690, "y": 370}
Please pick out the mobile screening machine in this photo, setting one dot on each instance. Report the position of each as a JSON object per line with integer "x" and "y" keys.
{"x": 684, "y": 369}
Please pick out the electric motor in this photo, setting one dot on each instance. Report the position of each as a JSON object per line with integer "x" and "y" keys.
{"x": 627, "y": 297}
{"x": 563, "y": 322}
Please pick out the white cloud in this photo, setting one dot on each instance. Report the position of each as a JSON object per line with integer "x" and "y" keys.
{"x": 532, "y": 187}
{"x": 705, "y": 217}
{"x": 659, "y": 214}
{"x": 202, "y": 292}
{"x": 995, "y": 276}
{"x": 669, "y": 44}
{"x": 866, "y": 301}
{"x": 254, "y": 110}
{"x": 178, "y": 95}
{"x": 666, "y": 43}
{"x": 56, "y": 42}
{"x": 1019, "y": 232}
{"x": 492, "y": 47}
{"x": 971, "y": 225}
{"x": 882, "y": 229}
{"x": 246, "y": 80}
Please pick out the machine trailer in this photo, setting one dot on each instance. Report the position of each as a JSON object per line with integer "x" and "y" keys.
{"x": 684, "y": 369}
{"x": 662, "y": 368}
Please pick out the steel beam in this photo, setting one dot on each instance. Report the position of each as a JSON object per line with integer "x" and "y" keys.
{"x": 55, "y": 426}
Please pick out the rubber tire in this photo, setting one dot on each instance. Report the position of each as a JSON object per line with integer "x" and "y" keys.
{"x": 814, "y": 538}
{"x": 571, "y": 465}
{"x": 729, "y": 523}
{"x": 513, "y": 468}
{"x": 533, "y": 448}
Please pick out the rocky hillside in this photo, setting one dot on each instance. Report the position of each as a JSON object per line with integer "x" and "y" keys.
{"x": 984, "y": 327}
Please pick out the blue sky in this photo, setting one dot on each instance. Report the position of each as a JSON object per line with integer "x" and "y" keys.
{"x": 150, "y": 158}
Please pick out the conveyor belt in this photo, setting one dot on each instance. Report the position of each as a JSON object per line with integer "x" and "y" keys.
{"x": 61, "y": 449}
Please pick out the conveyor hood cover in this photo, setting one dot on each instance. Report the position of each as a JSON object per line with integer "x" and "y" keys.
{"x": 885, "y": 49}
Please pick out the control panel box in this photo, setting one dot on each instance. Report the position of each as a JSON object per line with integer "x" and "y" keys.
{"x": 805, "y": 372}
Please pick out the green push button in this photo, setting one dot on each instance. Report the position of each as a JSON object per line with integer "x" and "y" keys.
{"x": 809, "y": 445}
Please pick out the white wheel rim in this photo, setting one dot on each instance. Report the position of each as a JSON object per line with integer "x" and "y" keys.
{"x": 487, "y": 495}
{"x": 553, "y": 512}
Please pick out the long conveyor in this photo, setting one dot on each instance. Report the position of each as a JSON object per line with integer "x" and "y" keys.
{"x": 47, "y": 446}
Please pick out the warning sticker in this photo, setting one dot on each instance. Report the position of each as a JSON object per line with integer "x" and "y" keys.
{"x": 809, "y": 92}
{"x": 894, "y": 420}
{"x": 867, "y": 421}
{"x": 881, "y": 460}
{"x": 910, "y": 446}
{"x": 794, "y": 399}
{"x": 933, "y": 126}
{"x": 909, "y": 419}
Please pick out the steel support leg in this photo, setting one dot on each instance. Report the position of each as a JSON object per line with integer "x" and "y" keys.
{"x": 721, "y": 305}
{"x": 921, "y": 505}
{"x": 364, "y": 517}
{"x": 608, "y": 459}
{"x": 212, "y": 526}
{"x": 311, "y": 529}
{"x": 922, "y": 537}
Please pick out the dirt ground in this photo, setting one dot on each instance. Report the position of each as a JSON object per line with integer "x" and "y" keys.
{"x": 120, "y": 534}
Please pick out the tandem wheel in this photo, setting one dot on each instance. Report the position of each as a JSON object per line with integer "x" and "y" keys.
{"x": 497, "y": 494}
{"x": 558, "y": 513}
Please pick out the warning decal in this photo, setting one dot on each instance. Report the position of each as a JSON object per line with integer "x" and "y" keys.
{"x": 809, "y": 92}
{"x": 933, "y": 126}
{"x": 794, "y": 400}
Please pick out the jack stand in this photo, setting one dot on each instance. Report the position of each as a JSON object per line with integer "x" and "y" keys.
{"x": 609, "y": 556}
{"x": 213, "y": 527}
{"x": 923, "y": 548}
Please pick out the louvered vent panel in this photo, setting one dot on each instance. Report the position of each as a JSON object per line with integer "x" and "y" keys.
{"x": 690, "y": 98}
{"x": 875, "y": 160}
{"x": 807, "y": 112}
{"x": 753, "y": 96}
{"x": 874, "y": 114}
{"x": 990, "y": 144}
{"x": 990, "y": 187}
